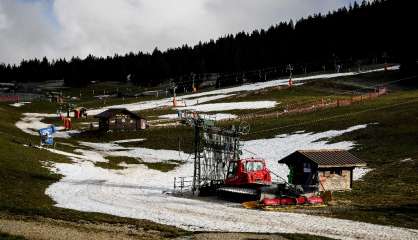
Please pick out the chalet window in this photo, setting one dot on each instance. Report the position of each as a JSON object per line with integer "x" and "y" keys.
{"x": 306, "y": 167}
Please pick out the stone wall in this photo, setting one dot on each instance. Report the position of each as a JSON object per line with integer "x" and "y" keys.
{"x": 334, "y": 179}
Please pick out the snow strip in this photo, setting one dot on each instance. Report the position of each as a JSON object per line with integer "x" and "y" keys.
{"x": 32, "y": 122}
{"x": 138, "y": 192}
{"x": 130, "y": 140}
{"x": 358, "y": 173}
{"x": 217, "y": 117}
{"x": 19, "y": 104}
{"x": 199, "y": 98}
{"x": 231, "y": 106}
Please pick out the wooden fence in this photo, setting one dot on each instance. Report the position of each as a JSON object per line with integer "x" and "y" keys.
{"x": 318, "y": 105}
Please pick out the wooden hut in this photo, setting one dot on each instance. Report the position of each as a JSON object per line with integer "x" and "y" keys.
{"x": 323, "y": 170}
{"x": 121, "y": 119}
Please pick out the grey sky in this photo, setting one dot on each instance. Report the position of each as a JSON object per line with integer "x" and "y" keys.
{"x": 66, "y": 28}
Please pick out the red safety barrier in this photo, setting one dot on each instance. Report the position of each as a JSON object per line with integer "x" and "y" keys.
{"x": 9, "y": 98}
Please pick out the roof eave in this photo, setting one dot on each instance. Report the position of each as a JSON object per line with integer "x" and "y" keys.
{"x": 342, "y": 166}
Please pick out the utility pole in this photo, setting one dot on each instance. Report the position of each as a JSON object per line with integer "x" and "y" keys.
{"x": 174, "y": 96}
{"x": 290, "y": 69}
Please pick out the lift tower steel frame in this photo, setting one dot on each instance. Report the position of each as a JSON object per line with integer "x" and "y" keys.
{"x": 214, "y": 148}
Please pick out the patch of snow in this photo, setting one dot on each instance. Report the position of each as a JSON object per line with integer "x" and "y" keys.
{"x": 231, "y": 106}
{"x": 172, "y": 124}
{"x": 407, "y": 160}
{"x": 138, "y": 192}
{"x": 358, "y": 173}
{"x": 166, "y": 102}
{"x": 19, "y": 104}
{"x": 32, "y": 122}
{"x": 145, "y": 154}
{"x": 90, "y": 155}
{"x": 217, "y": 117}
{"x": 199, "y": 98}
{"x": 272, "y": 150}
{"x": 169, "y": 116}
{"x": 283, "y": 82}
{"x": 130, "y": 140}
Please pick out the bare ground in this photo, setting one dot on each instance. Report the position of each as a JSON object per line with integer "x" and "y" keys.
{"x": 46, "y": 228}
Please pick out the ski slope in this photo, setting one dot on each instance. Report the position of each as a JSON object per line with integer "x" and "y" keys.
{"x": 203, "y": 97}
{"x": 139, "y": 192}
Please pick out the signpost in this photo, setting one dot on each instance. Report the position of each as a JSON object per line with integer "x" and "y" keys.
{"x": 46, "y": 135}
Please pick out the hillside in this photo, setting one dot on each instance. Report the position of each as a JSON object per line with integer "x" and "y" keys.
{"x": 380, "y": 130}
{"x": 346, "y": 38}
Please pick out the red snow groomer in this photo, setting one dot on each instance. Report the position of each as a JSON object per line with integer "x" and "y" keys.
{"x": 250, "y": 180}
{"x": 244, "y": 179}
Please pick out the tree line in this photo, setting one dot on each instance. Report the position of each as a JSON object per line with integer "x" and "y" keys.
{"x": 369, "y": 32}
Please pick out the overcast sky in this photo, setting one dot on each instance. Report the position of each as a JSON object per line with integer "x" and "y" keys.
{"x": 66, "y": 28}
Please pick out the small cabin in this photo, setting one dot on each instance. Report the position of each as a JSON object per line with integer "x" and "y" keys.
{"x": 121, "y": 119}
{"x": 322, "y": 170}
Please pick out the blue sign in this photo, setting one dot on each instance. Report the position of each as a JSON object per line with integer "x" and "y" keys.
{"x": 46, "y": 135}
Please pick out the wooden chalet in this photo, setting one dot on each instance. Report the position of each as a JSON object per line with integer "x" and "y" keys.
{"x": 121, "y": 119}
{"x": 323, "y": 170}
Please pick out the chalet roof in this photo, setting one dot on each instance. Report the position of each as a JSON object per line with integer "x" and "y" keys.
{"x": 326, "y": 158}
{"x": 111, "y": 112}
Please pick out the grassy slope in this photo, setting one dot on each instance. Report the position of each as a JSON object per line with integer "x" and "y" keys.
{"x": 5, "y": 236}
{"x": 386, "y": 196}
{"x": 23, "y": 181}
{"x": 390, "y": 190}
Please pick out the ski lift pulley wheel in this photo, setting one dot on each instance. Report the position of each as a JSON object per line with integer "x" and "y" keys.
{"x": 244, "y": 127}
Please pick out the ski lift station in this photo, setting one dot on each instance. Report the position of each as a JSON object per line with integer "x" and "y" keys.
{"x": 121, "y": 119}
{"x": 322, "y": 170}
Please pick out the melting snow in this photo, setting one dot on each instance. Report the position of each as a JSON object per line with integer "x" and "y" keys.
{"x": 231, "y": 106}
{"x": 199, "y": 98}
{"x": 138, "y": 192}
{"x": 217, "y": 117}
{"x": 358, "y": 173}
{"x": 19, "y": 104}
{"x": 31, "y": 123}
{"x": 130, "y": 140}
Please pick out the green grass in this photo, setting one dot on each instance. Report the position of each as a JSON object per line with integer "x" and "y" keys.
{"x": 156, "y": 138}
{"x": 161, "y": 166}
{"x": 23, "y": 180}
{"x": 114, "y": 161}
{"x": 5, "y": 236}
{"x": 387, "y": 195}
{"x": 292, "y": 236}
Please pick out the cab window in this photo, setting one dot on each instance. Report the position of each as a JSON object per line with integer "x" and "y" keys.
{"x": 232, "y": 169}
{"x": 253, "y": 166}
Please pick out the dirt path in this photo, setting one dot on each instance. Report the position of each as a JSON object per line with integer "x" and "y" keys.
{"x": 45, "y": 228}
{"x": 39, "y": 228}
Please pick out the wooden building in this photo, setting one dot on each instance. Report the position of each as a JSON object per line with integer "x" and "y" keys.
{"x": 323, "y": 170}
{"x": 120, "y": 119}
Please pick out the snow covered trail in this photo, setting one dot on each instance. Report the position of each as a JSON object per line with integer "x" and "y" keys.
{"x": 32, "y": 122}
{"x": 199, "y": 98}
{"x": 211, "y": 107}
{"x": 216, "y": 117}
{"x": 139, "y": 192}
